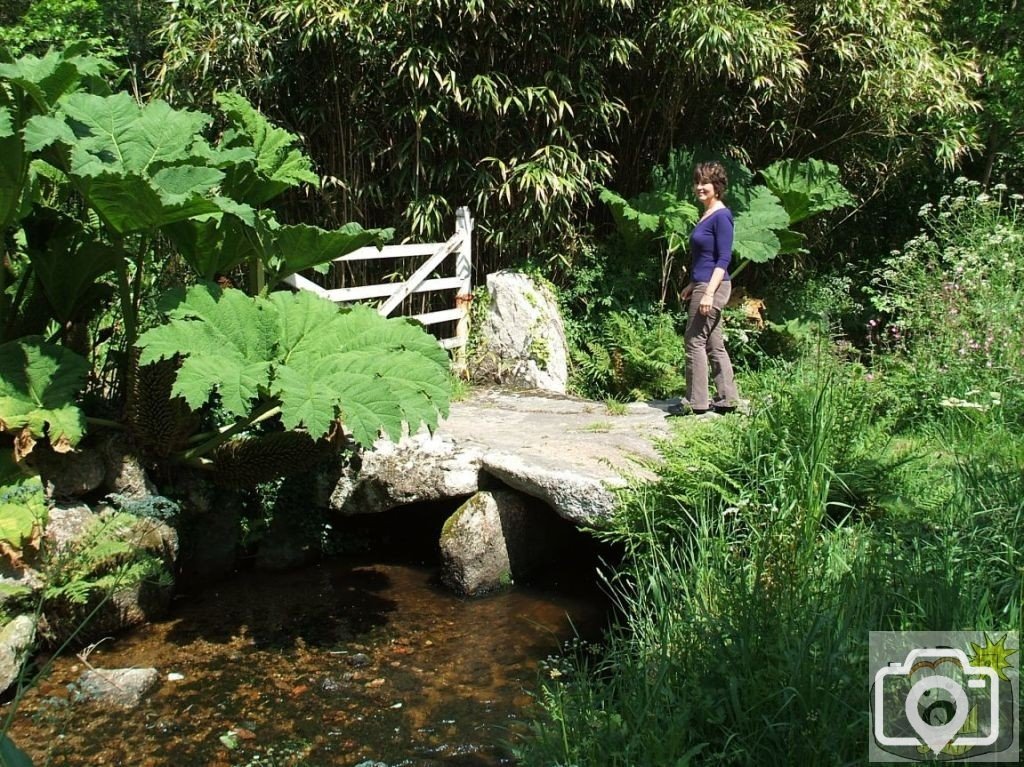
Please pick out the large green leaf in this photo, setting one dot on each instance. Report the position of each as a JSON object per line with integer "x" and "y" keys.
{"x": 133, "y": 202}
{"x": 115, "y": 134}
{"x": 214, "y": 244}
{"x": 318, "y": 362}
{"x": 42, "y": 131}
{"x": 790, "y": 241}
{"x": 67, "y": 260}
{"x": 45, "y": 79}
{"x": 13, "y": 170}
{"x": 276, "y": 164}
{"x": 674, "y": 213}
{"x": 367, "y": 402}
{"x": 756, "y": 244}
{"x": 360, "y": 328}
{"x": 38, "y": 386}
{"x": 379, "y": 372}
{"x": 227, "y": 341}
{"x": 139, "y": 167}
{"x": 807, "y": 187}
{"x": 755, "y": 239}
{"x": 636, "y": 228}
{"x": 662, "y": 213}
{"x": 308, "y": 328}
{"x": 290, "y": 249}
{"x": 406, "y": 360}
{"x": 22, "y": 507}
{"x": 11, "y": 755}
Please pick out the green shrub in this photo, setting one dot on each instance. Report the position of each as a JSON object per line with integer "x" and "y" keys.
{"x": 947, "y": 300}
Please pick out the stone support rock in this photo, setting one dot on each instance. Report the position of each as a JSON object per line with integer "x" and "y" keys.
{"x": 490, "y": 541}
{"x": 124, "y": 473}
{"x": 74, "y": 532}
{"x": 68, "y": 475}
{"x": 416, "y": 469}
{"x": 66, "y": 524}
{"x": 579, "y": 498}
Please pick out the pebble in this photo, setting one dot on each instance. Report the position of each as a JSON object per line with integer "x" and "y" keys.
{"x": 330, "y": 685}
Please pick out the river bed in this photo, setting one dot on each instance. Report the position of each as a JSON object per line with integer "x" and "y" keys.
{"x": 349, "y": 662}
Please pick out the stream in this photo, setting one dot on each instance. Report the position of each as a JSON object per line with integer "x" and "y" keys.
{"x": 354, "y": 661}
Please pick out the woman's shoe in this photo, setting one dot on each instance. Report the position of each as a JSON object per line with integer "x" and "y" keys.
{"x": 683, "y": 409}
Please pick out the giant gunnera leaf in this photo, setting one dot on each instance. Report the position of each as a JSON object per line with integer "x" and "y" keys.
{"x": 140, "y": 167}
{"x": 287, "y": 249}
{"x": 275, "y": 162}
{"x": 38, "y": 386}
{"x": 755, "y": 234}
{"x": 227, "y": 341}
{"x": 318, "y": 363}
{"x": 22, "y": 509}
{"x": 806, "y": 188}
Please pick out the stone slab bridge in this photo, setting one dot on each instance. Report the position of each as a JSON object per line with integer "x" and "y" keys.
{"x": 502, "y": 451}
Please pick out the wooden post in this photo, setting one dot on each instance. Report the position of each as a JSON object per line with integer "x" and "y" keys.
{"x": 464, "y": 271}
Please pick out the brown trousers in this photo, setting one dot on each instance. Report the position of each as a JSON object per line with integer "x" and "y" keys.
{"x": 704, "y": 345}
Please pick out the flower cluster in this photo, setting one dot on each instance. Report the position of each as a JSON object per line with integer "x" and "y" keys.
{"x": 947, "y": 302}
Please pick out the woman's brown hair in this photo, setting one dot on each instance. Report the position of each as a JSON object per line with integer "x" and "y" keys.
{"x": 712, "y": 173}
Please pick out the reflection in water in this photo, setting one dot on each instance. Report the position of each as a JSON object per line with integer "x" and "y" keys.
{"x": 337, "y": 664}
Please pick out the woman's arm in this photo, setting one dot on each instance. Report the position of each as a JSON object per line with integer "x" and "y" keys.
{"x": 723, "y": 231}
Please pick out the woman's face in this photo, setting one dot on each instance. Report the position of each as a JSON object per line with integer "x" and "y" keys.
{"x": 705, "y": 191}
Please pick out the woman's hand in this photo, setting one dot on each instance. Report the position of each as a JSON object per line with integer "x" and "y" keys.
{"x": 685, "y": 293}
{"x": 707, "y": 303}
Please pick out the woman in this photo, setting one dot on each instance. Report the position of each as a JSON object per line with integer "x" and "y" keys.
{"x": 708, "y": 293}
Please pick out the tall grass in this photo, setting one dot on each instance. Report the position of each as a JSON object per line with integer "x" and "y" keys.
{"x": 756, "y": 567}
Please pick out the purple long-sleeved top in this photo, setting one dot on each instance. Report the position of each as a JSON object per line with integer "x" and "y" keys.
{"x": 711, "y": 245}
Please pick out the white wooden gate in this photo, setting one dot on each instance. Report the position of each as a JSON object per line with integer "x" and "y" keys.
{"x": 394, "y": 293}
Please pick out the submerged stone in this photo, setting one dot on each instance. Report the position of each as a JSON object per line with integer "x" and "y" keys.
{"x": 124, "y": 687}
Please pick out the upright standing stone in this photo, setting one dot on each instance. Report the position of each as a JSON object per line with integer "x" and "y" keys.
{"x": 521, "y": 341}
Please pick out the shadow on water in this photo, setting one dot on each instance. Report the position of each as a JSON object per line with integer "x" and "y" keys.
{"x": 318, "y": 606}
{"x": 364, "y": 658}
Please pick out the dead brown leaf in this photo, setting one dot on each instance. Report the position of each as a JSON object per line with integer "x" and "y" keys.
{"x": 24, "y": 442}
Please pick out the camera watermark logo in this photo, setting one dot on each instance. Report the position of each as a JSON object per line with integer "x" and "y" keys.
{"x": 944, "y": 696}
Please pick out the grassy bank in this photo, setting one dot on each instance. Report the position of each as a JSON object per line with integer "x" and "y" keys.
{"x": 765, "y": 554}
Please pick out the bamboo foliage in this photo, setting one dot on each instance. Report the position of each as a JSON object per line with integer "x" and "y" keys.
{"x": 413, "y": 107}
{"x": 522, "y": 108}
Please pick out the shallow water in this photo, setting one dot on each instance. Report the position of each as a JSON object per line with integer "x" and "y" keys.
{"x": 342, "y": 663}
